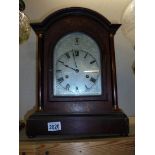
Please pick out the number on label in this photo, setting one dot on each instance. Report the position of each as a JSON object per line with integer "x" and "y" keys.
{"x": 54, "y": 126}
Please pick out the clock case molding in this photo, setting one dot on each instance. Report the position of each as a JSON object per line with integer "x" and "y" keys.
{"x": 79, "y": 115}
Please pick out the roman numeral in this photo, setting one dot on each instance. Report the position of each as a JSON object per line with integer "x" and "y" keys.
{"x": 86, "y": 87}
{"x": 58, "y": 71}
{"x": 67, "y": 87}
{"x": 76, "y": 88}
{"x": 60, "y": 80}
{"x": 92, "y": 80}
{"x": 61, "y": 62}
{"x": 76, "y": 53}
{"x": 85, "y": 55}
{"x": 92, "y": 61}
{"x": 67, "y": 55}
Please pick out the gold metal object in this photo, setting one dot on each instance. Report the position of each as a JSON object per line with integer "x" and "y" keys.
{"x": 24, "y": 27}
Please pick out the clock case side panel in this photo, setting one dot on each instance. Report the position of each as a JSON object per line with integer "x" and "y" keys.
{"x": 39, "y": 70}
{"x": 113, "y": 68}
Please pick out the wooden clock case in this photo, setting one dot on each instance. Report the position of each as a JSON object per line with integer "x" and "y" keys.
{"x": 80, "y": 116}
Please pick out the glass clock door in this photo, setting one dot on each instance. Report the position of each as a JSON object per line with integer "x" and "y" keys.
{"x": 77, "y": 66}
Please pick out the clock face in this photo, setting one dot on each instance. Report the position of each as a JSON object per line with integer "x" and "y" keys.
{"x": 77, "y": 70}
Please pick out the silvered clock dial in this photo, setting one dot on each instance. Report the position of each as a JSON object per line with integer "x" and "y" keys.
{"x": 77, "y": 66}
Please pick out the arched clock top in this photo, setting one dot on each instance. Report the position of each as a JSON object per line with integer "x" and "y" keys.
{"x": 75, "y": 11}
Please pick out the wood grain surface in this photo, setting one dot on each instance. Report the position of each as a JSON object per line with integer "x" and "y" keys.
{"x": 109, "y": 146}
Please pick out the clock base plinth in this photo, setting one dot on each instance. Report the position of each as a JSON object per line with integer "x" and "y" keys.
{"x": 78, "y": 126}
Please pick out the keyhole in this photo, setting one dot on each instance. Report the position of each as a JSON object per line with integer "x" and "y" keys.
{"x": 87, "y": 76}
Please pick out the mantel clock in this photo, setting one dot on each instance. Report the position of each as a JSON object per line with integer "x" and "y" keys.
{"x": 77, "y": 91}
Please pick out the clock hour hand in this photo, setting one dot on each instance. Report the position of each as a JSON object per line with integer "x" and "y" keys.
{"x": 76, "y": 70}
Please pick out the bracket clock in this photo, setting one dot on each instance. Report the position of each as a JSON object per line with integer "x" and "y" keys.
{"x": 77, "y": 91}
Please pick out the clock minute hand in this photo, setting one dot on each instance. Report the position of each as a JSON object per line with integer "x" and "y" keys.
{"x": 74, "y": 60}
{"x": 76, "y": 70}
